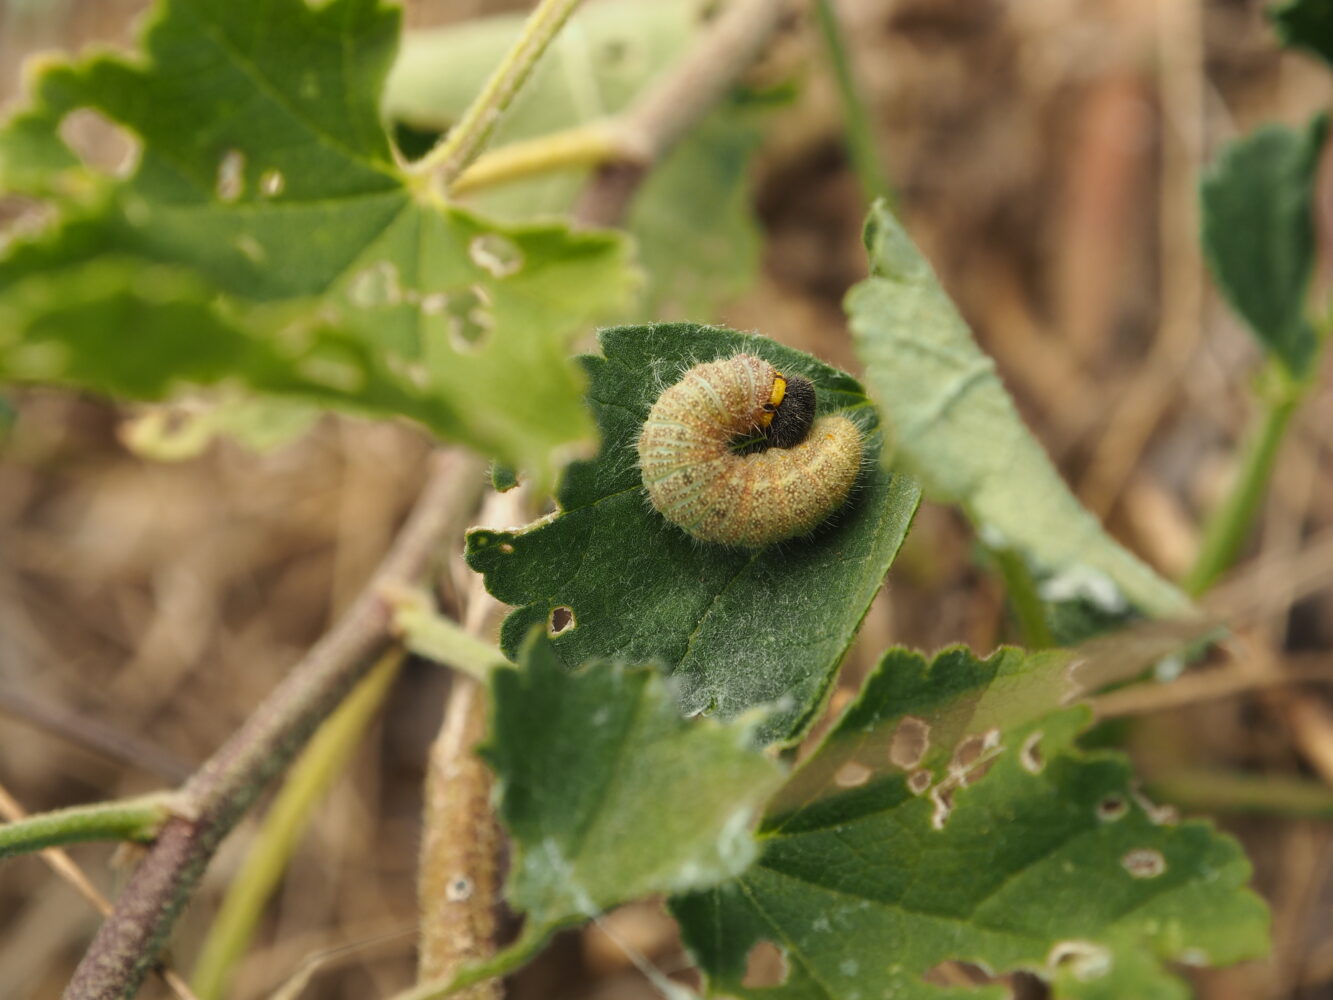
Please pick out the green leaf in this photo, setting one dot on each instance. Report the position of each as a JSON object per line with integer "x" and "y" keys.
{"x": 608, "y": 793}
{"x": 1259, "y": 234}
{"x": 1305, "y": 24}
{"x": 948, "y": 816}
{"x": 737, "y": 629}
{"x": 267, "y": 180}
{"x": 955, "y": 427}
{"x": 697, "y": 238}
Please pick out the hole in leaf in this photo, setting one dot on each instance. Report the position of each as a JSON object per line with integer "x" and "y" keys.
{"x": 851, "y": 775}
{"x": 271, "y": 183}
{"x": 411, "y": 370}
{"x": 101, "y": 143}
{"x": 1112, "y": 808}
{"x": 957, "y": 973}
{"x": 561, "y": 620}
{"x": 911, "y": 740}
{"x": 375, "y": 286}
{"x": 1160, "y": 815}
{"x": 506, "y": 548}
{"x": 1144, "y": 863}
{"x": 231, "y": 176}
{"x": 250, "y": 247}
{"x": 1029, "y": 754}
{"x": 765, "y": 966}
{"x": 468, "y": 313}
{"x": 942, "y": 796}
{"x": 919, "y": 782}
{"x": 497, "y": 255}
{"x": 1083, "y": 958}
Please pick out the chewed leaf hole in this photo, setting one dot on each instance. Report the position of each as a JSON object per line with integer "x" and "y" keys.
{"x": 955, "y": 973}
{"x": 1029, "y": 754}
{"x": 919, "y": 782}
{"x": 1112, "y": 808}
{"x": 1144, "y": 863}
{"x": 911, "y": 740}
{"x": 560, "y": 620}
{"x": 765, "y": 966}
{"x": 851, "y": 775}
{"x": 271, "y": 183}
{"x": 942, "y": 796}
{"x": 231, "y": 176}
{"x": 507, "y": 548}
{"x": 101, "y": 143}
{"x": 469, "y": 318}
{"x": 497, "y": 255}
{"x": 1083, "y": 958}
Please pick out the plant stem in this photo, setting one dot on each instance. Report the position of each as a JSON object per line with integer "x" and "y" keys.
{"x": 1023, "y": 597}
{"x": 577, "y": 148}
{"x": 1227, "y": 791}
{"x": 137, "y": 820}
{"x": 1229, "y": 526}
{"x": 662, "y": 115}
{"x": 220, "y": 792}
{"x": 437, "y": 638}
{"x": 861, "y": 144}
{"x": 319, "y": 764}
{"x": 447, "y": 161}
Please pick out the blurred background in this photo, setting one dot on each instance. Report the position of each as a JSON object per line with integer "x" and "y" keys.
{"x": 1045, "y": 154}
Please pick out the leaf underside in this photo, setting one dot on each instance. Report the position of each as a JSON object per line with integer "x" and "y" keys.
{"x": 955, "y": 427}
{"x": 265, "y": 235}
{"x": 736, "y": 629}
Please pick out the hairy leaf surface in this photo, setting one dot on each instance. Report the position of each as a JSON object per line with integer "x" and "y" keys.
{"x": 737, "y": 629}
{"x": 948, "y": 817}
{"x": 266, "y": 182}
{"x": 954, "y": 426}
{"x": 609, "y": 794}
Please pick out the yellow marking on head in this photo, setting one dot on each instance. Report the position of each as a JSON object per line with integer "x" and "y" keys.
{"x": 779, "y": 391}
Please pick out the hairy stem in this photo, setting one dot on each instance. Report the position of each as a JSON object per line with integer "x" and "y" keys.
{"x": 220, "y": 792}
{"x": 1229, "y": 526}
{"x": 319, "y": 765}
{"x": 466, "y": 140}
{"x": 861, "y": 144}
{"x": 137, "y": 820}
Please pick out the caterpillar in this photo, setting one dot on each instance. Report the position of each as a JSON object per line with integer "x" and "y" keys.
{"x": 733, "y": 454}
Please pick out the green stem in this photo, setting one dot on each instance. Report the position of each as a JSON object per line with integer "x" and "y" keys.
{"x": 1228, "y": 527}
{"x": 861, "y": 144}
{"x": 465, "y": 141}
{"x": 503, "y": 963}
{"x": 1227, "y": 791}
{"x": 323, "y": 760}
{"x": 137, "y": 820}
{"x": 435, "y": 637}
{"x": 578, "y": 148}
{"x": 1023, "y": 597}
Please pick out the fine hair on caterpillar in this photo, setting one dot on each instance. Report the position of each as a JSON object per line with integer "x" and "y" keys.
{"x": 734, "y": 454}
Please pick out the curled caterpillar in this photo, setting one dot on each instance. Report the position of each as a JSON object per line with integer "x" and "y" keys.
{"x": 733, "y": 454}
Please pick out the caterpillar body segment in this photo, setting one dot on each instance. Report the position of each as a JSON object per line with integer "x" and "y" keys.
{"x": 733, "y": 454}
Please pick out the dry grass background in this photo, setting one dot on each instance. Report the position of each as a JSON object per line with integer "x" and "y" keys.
{"x": 1045, "y": 152}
